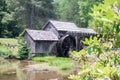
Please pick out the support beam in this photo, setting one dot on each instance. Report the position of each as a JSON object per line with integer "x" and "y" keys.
{"x": 77, "y": 43}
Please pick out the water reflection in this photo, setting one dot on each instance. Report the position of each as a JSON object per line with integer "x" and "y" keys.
{"x": 27, "y": 70}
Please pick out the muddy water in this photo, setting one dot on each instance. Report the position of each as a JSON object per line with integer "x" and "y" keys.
{"x": 27, "y": 70}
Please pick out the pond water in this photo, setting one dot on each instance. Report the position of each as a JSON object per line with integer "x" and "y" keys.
{"x": 28, "y": 70}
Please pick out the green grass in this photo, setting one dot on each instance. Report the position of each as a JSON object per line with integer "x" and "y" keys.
{"x": 11, "y": 41}
{"x": 60, "y": 62}
{"x": 8, "y": 46}
{"x": 3, "y": 49}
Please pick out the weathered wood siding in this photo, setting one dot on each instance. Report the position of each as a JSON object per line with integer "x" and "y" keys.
{"x": 45, "y": 47}
{"x": 50, "y": 27}
{"x": 30, "y": 43}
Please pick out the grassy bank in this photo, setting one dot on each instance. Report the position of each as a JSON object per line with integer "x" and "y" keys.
{"x": 8, "y": 46}
{"x": 61, "y": 63}
{"x": 10, "y": 41}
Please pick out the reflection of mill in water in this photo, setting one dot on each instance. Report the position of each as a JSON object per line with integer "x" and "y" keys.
{"x": 38, "y": 72}
{"x": 27, "y": 70}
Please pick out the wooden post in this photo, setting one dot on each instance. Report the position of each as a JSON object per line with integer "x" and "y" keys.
{"x": 77, "y": 43}
{"x": 81, "y": 43}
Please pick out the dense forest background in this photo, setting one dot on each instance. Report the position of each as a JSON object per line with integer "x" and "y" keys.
{"x": 16, "y": 15}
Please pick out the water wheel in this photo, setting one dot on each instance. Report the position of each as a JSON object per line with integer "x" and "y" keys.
{"x": 65, "y": 44}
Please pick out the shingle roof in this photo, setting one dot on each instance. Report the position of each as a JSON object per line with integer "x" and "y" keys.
{"x": 63, "y": 26}
{"x": 86, "y": 30}
{"x": 70, "y": 27}
{"x": 82, "y": 31}
{"x": 42, "y": 35}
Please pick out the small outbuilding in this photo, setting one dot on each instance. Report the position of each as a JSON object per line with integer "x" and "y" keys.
{"x": 40, "y": 41}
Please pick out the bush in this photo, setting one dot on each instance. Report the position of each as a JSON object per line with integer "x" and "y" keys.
{"x": 23, "y": 50}
{"x": 101, "y": 62}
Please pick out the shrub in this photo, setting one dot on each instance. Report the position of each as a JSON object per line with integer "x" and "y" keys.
{"x": 97, "y": 72}
{"x": 105, "y": 65}
{"x": 23, "y": 50}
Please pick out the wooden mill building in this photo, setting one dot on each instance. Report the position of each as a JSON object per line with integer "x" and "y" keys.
{"x": 40, "y": 41}
{"x": 57, "y": 37}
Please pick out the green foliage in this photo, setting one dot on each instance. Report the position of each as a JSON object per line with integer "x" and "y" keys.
{"x": 8, "y": 26}
{"x": 94, "y": 46}
{"x": 107, "y": 67}
{"x": 34, "y": 12}
{"x": 106, "y": 20}
{"x": 100, "y": 61}
{"x": 74, "y": 10}
{"x": 5, "y": 53}
{"x": 23, "y": 51}
{"x": 82, "y": 56}
{"x": 97, "y": 72}
{"x": 117, "y": 40}
{"x": 67, "y": 10}
{"x": 84, "y": 9}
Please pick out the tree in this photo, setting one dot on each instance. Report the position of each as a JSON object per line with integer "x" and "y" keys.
{"x": 8, "y": 24}
{"x": 3, "y": 12}
{"x": 34, "y": 12}
{"x": 106, "y": 20}
{"x": 16, "y": 15}
{"x": 84, "y": 10}
{"x": 67, "y": 10}
{"x": 75, "y": 10}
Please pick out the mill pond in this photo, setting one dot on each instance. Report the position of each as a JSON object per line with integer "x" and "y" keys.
{"x": 34, "y": 70}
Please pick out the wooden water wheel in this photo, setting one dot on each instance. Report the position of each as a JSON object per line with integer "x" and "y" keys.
{"x": 65, "y": 44}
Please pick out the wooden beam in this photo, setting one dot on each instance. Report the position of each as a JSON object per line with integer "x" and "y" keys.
{"x": 77, "y": 43}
